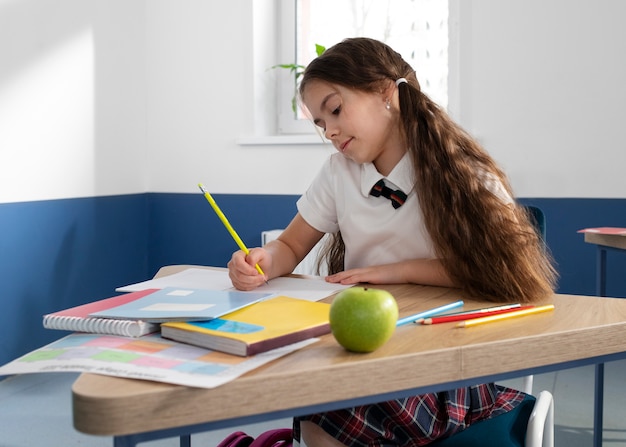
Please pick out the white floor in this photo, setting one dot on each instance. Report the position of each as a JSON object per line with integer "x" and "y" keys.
{"x": 35, "y": 410}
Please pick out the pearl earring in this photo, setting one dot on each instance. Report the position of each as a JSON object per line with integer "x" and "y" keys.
{"x": 388, "y": 105}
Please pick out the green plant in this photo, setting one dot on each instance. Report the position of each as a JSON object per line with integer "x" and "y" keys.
{"x": 297, "y": 71}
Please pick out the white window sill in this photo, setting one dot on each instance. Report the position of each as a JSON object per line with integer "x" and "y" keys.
{"x": 271, "y": 140}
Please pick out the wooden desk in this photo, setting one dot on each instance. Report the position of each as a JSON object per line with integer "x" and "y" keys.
{"x": 603, "y": 242}
{"x": 608, "y": 240}
{"x": 323, "y": 376}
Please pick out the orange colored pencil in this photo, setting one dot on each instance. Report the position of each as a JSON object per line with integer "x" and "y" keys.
{"x": 471, "y": 315}
{"x": 506, "y": 315}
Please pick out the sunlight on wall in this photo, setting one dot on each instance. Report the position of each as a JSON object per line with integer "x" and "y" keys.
{"x": 47, "y": 121}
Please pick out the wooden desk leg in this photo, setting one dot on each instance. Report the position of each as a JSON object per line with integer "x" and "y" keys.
{"x": 598, "y": 423}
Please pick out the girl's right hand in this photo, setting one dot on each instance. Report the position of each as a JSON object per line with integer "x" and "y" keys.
{"x": 242, "y": 268}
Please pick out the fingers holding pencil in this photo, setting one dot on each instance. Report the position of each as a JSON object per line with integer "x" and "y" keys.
{"x": 257, "y": 256}
{"x": 242, "y": 269}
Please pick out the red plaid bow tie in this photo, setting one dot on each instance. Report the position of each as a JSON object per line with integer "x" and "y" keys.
{"x": 396, "y": 196}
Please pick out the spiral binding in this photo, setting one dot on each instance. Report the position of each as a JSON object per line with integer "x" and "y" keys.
{"x": 107, "y": 326}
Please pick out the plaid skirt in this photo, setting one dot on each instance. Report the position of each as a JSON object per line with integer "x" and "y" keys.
{"x": 417, "y": 420}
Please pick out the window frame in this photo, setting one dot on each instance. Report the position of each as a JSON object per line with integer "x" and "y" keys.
{"x": 286, "y": 92}
{"x": 285, "y": 86}
{"x": 275, "y": 43}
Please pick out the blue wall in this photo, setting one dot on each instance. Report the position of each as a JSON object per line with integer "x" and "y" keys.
{"x": 185, "y": 229}
{"x": 576, "y": 260}
{"x": 60, "y": 253}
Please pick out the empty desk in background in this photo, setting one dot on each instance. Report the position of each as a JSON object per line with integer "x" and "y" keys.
{"x": 604, "y": 243}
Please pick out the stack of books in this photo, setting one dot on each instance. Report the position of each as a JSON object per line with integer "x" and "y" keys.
{"x": 235, "y": 322}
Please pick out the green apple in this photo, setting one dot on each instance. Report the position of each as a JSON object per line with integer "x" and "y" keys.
{"x": 363, "y": 319}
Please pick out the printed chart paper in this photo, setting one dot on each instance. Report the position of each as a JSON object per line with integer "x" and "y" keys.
{"x": 147, "y": 358}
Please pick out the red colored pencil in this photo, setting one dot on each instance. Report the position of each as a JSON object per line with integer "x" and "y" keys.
{"x": 481, "y": 310}
{"x": 469, "y": 316}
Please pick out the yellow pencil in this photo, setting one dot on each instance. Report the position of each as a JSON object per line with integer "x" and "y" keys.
{"x": 227, "y": 224}
{"x": 504, "y": 316}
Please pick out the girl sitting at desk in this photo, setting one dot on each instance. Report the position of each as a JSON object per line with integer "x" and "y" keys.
{"x": 409, "y": 198}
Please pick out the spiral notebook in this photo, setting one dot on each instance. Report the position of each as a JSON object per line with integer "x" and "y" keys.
{"x": 77, "y": 319}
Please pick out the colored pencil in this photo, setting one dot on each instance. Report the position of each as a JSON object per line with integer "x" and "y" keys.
{"x": 485, "y": 309}
{"x": 479, "y": 313}
{"x": 504, "y": 316}
{"x": 227, "y": 224}
{"x": 429, "y": 313}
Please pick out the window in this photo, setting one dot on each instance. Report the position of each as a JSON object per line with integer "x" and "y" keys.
{"x": 417, "y": 29}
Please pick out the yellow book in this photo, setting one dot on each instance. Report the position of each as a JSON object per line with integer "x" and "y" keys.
{"x": 257, "y": 328}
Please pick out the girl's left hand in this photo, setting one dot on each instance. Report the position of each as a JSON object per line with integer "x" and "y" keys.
{"x": 428, "y": 272}
{"x": 381, "y": 274}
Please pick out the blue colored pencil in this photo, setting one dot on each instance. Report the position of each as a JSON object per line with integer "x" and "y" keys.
{"x": 429, "y": 313}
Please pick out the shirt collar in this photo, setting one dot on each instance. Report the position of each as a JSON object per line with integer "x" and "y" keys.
{"x": 401, "y": 176}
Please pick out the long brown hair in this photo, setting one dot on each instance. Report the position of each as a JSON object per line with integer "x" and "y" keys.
{"x": 490, "y": 249}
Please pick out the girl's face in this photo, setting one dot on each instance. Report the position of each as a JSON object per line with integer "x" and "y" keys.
{"x": 359, "y": 124}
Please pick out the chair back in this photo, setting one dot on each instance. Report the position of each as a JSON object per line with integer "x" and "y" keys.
{"x": 538, "y": 219}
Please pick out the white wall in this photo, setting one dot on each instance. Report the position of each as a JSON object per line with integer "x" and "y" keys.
{"x": 72, "y": 98}
{"x": 201, "y": 100}
{"x": 543, "y": 87}
{"x": 101, "y": 97}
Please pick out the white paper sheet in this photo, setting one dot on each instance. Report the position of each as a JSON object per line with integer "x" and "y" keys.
{"x": 311, "y": 288}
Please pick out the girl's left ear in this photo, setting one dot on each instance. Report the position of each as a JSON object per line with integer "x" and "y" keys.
{"x": 388, "y": 94}
{"x": 388, "y": 91}
{"x": 389, "y": 88}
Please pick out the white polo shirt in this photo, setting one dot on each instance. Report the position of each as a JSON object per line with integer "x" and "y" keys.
{"x": 374, "y": 232}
